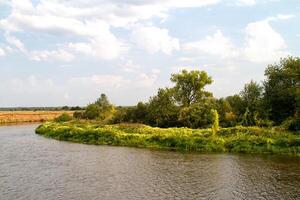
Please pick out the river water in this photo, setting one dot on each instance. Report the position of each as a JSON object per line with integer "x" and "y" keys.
{"x": 36, "y": 168}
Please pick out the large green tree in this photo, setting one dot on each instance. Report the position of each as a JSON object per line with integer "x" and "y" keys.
{"x": 162, "y": 109}
{"x": 252, "y": 96}
{"x": 189, "y": 86}
{"x": 198, "y": 115}
{"x": 282, "y": 89}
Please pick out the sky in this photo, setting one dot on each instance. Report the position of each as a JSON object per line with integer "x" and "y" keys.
{"x": 62, "y": 52}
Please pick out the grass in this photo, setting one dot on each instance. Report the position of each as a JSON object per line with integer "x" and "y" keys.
{"x": 29, "y": 116}
{"x": 236, "y": 139}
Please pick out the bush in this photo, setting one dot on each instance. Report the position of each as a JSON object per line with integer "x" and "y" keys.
{"x": 92, "y": 111}
{"x": 63, "y": 118}
{"x": 291, "y": 124}
{"x": 78, "y": 115}
{"x": 215, "y": 121}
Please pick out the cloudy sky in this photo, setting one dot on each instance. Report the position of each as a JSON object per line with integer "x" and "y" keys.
{"x": 63, "y": 52}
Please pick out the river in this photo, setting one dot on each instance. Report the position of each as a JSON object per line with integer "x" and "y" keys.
{"x": 36, "y": 168}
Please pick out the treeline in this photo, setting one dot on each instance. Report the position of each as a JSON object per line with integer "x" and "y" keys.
{"x": 275, "y": 101}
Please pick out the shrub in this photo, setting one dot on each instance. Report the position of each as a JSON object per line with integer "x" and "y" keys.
{"x": 63, "y": 118}
{"x": 215, "y": 121}
{"x": 92, "y": 111}
{"x": 78, "y": 115}
{"x": 292, "y": 124}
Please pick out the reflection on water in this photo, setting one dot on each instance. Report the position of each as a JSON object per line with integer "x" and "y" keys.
{"x": 33, "y": 167}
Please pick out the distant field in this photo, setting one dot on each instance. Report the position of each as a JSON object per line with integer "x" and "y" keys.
{"x": 29, "y": 116}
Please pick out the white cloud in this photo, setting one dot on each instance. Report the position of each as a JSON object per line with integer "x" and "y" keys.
{"x": 105, "y": 46}
{"x": 108, "y": 81}
{"x": 263, "y": 43}
{"x": 215, "y": 45}
{"x": 129, "y": 66}
{"x": 279, "y": 17}
{"x": 15, "y": 42}
{"x": 111, "y": 81}
{"x": 54, "y": 55}
{"x": 154, "y": 39}
{"x": 148, "y": 80}
{"x": 98, "y": 40}
{"x": 246, "y": 2}
{"x": 91, "y": 20}
{"x": 26, "y": 85}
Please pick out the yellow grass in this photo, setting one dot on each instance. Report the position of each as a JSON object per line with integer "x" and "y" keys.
{"x": 29, "y": 116}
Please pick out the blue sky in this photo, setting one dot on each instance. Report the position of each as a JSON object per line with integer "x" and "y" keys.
{"x": 60, "y": 52}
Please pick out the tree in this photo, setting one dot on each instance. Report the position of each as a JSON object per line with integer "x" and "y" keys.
{"x": 251, "y": 96}
{"x": 248, "y": 119}
{"x": 64, "y": 117}
{"x": 198, "y": 115}
{"x": 92, "y": 111}
{"x": 282, "y": 93}
{"x": 225, "y": 112}
{"x": 101, "y": 109}
{"x": 138, "y": 113}
{"x": 236, "y": 103}
{"x": 122, "y": 114}
{"x": 162, "y": 109}
{"x": 103, "y": 102}
{"x": 189, "y": 86}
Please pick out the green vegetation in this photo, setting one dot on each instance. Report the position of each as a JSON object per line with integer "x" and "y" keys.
{"x": 64, "y": 117}
{"x": 235, "y": 139}
{"x": 275, "y": 102}
{"x": 100, "y": 110}
{"x": 260, "y": 118}
{"x": 215, "y": 123}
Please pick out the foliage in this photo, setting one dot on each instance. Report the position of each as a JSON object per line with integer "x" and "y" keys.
{"x": 78, "y": 114}
{"x": 100, "y": 110}
{"x": 64, "y": 117}
{"x": 236, "y": 139}
{"x": 292, "y": 124}
{"x": 198, "y": 115}
{"x": 188, "y": 104}
{"x": 282, "y": 89}
{"x": 162, "y": 110}
{"x": 237, "y": 104}
{"x": 92, "y": 111}
{"x": 251, "y": 95}
{"x": 215, "y": 121}
{"x": 189, "y": 86}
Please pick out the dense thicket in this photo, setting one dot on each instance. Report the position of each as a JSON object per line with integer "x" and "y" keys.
{"x": 274, "y": 102}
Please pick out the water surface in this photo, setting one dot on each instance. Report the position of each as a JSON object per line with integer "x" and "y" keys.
{"x": 36, "y": 168}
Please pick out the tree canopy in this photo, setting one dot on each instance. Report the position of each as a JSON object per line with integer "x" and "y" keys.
{"x": 189, "y": 86}
{"x": 282, "y": 89}
{"x": 187, "y": 103}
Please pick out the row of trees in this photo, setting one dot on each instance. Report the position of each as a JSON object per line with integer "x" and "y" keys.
{"x": 276, "y": 101}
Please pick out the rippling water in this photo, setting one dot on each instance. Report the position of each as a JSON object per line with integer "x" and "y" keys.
{"x": 33, "y": 167}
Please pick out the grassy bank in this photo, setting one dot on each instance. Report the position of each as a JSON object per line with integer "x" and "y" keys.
{"x": 29, "y": 116}
{"x": 235, "y": 139}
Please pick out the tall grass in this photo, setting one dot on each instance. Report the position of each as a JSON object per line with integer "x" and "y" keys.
{"x": 236, "y": 139}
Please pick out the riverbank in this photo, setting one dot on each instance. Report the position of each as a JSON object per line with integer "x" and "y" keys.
{"x": 235, "y": 139}
{"x": 7, "y": 117}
